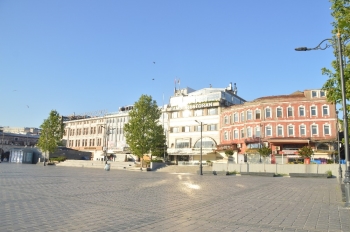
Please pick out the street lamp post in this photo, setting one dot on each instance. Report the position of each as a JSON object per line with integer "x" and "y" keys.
{"x": 340, "y": 170}
{"x": 345, "y": 117}
{"x": 45, "y": 151}
{"x": 107, "y": 139}
{"x": 200, "y": 162}
{"x": 260, "y": 142}
{"x": 164, "y": 130}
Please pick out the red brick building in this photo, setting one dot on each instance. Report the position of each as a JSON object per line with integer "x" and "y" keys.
{"x": 284, "y": 123}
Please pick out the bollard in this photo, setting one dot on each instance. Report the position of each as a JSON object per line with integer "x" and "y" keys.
{"x": 107, "y": 167}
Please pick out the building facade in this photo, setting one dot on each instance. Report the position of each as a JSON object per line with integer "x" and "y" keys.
{"x": 103, "y": 136}
{"x": 21, "y": 130}
{"x": 284, "y": 123}
{"x": 187, "y": 111}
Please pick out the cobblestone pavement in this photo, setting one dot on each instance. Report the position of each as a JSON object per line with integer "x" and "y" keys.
{"x": 38, "y": 198}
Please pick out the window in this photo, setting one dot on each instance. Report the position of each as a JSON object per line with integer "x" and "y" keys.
{"x": 268, "y": 113}
{"x": 249, "y": 115}
{"x": 302, "y": 130}
{"x": 212, "y": 111}
{"x": 325, "y": 110}
{"x": 242, "y": 116}
{"x": 212, "y": 127}
{"x": 186, "y": 129}
{"x": 249, "y": 132}
{"x": 165, "y": 115}
{"x": 313, "y": 94}
{"x": 290, "y": 130}
{"x": 186, "y": 113}
{"x": 197, "y": 128}
{"x": 322, "y": 93}
{"x": 268, "y": 131}
{"x": 279, "y": 131}
{"x": 182, "y": 143}
{"x": 313, "y": 111}
{"x": 242, "y": 133}
{"x": 290, "y": 112}
{"x": 326, "y": 130}
{"x": 174, "y": 115}
{"x": 205, "y": 143}
{"x": 175, "y": 129}
{"x": 225, "y": 135}
{"x": 235, "y": 134}
{"x": 301, "y": 111}
{"x": 279, "y": 112}
{"x": 314, "y": 130}
{"x": 257, "y": 131}
{"x": 198, "y": 112}
{"x": 257, "y": 114}
{"x": 226, "y": 120}
{"x": 235, "y": 117}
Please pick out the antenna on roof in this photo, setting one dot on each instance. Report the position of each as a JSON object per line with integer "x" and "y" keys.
{"x": 234, "y": 88}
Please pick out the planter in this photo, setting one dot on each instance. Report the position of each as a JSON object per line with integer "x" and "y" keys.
{"x": 307, "y": 161}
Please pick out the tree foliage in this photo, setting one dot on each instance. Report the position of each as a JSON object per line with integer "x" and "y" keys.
{"x": 52, "y": 131}
{"x": 264, "y": 151}
{"x": 341, "y": 14}
{"x": 143, "y": 132}
{"x": 229, "y": 152}
{"x": 306, "y": 152}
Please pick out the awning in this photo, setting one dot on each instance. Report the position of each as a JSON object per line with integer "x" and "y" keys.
{"x": 306, "y": 141}
{"x": 186, "y": 154}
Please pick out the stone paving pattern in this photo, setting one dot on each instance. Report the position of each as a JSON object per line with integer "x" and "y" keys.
{"x": 53, "y": 198}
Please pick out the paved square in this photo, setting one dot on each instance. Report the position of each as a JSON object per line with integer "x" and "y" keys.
{"x": 38, "y": 198}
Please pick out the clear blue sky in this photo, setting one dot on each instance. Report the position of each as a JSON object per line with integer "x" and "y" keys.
{"x": 78, "y": 56}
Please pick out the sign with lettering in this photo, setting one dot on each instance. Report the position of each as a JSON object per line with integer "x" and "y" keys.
{"x": 194, "y": 106}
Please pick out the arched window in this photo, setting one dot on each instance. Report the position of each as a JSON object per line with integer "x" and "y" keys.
{"x": 207, "y": 143}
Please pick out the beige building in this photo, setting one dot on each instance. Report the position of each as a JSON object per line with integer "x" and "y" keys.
{"x": 103, "y": 136}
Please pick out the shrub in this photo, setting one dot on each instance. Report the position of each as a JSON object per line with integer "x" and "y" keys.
{"x": 157, "y": 161}
{"x": 229, "y": 152}
{"x": 59, "y": 159}
{"x": 329, "y": 173}
{"x": 233, "y": 173}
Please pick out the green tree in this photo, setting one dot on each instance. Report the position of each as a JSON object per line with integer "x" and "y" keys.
{"x": 52, "y": 131}
{"x": 143, "y": 132}
{"x": 306, "y": 152}
{"x": 341, "y": 14}
{"x": 264, "y": 151}
{"x": 229, "y": 152}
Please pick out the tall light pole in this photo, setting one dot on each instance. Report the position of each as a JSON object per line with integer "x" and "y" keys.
{"x": 164, "y": 130}
{"x": 340, "y": 170}
{"x": 260, "y": 141}
{"x": 201, "y": 156}
{"x": 46, "y": 148}
{"x": 107, "y": 133}
{"x": 345, "y": 117}
{"x": 2, "y": 144}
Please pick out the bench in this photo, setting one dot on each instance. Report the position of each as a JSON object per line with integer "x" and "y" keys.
{"x": 309, "y": 175}
{"x": 270, "y": 174}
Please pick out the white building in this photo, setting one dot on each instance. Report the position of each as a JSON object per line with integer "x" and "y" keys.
{"x": 102, "y": 135}
{"x": 187, "y": 110}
